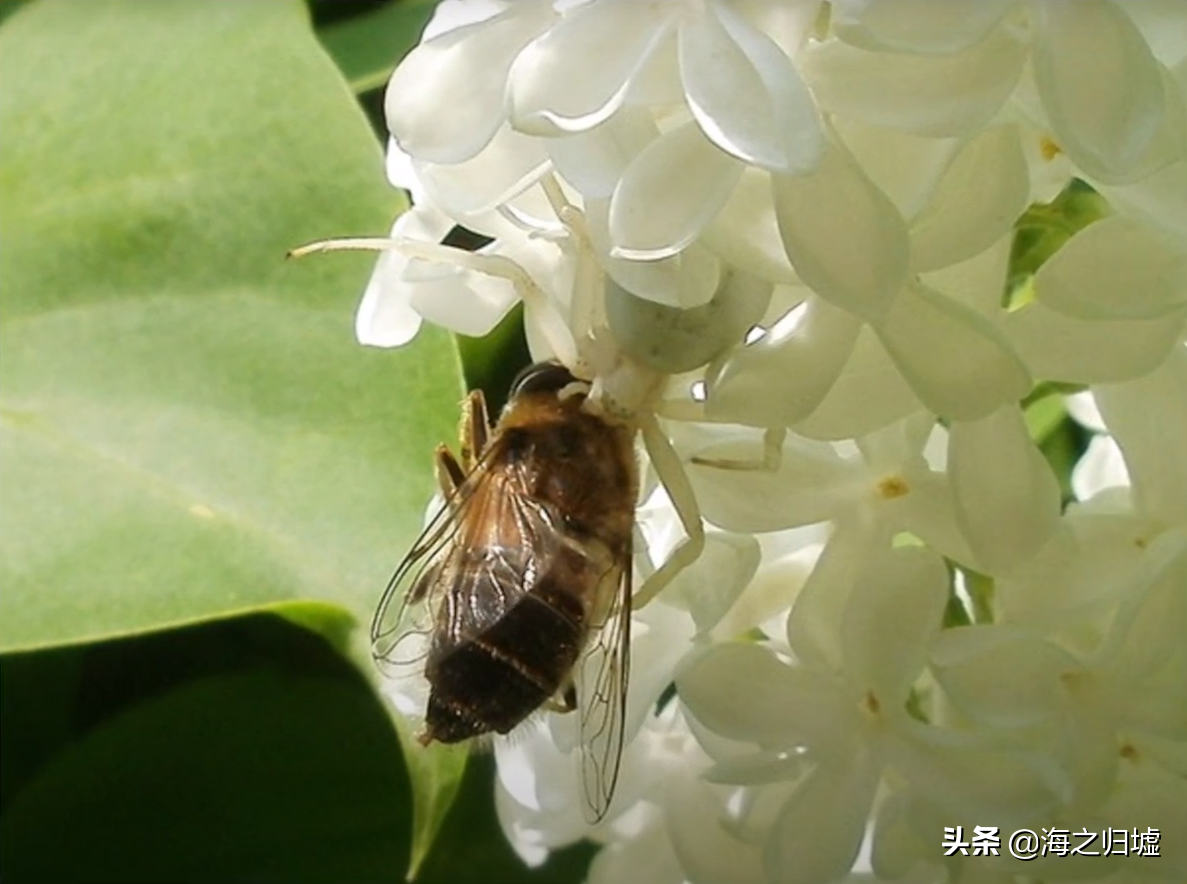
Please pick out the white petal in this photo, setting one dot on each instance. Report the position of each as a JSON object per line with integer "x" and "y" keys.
{"x": 1160, "y": 199}
{"x": 1078, "y": 575}
{"x": 1162, "y": 798}
{"x": 687, "y": 279}
{"x": 1101, "y": 466}
{"x": 777, "y": 706}
{"x": 929, "y": 512}
{"x": 1051, "y": 170}
{"x": 1002, "y": 676}
{"x": 790, "y": 25}
{"x": 1164, "y": 27}
{"x": 897, "y": 446}
{"x": 746, "y": 94}
{"x": 671, "y": 190}
{"x": 1081, "y": 407}
{"x": 814, "y": 626}
{"x": 1148, "y": 418}
{"x": 672, "y": 340}
{"x": 982, "y": 193}
{"x": 506, "y": 166}
{"x": 971, "y": 781}
{"x": 660, "y": 640}
{"x": 817, "y": 835}
{"x": 1149, "y": 671}
{"x": 698, "y": 825}
{"x": 1082, "y": 351}
{"x": 897, "y": 843}
{"x": 575, "y": 75}
{"x": 745, "y": 231}
{"x": 979, "y": 281}
{"x": 1088, "y": 753}
{"x": 758, "y": 768}
{"x": 648, "y": 857}
{"x": 465, "y": 71}
{"x": 941, "y": 97}
{"x": 385, "y": 317}
{"x": 869, "y": 394}
{"x": 782, "y": 377}
{"x": 462, "y": 301}
{"x": 526, "y": 843}
{"x": 924, "y": 27}
{"x": 905, "y": 166}
{"x": 959, "y": 365}
{"x": 708, "y": 588}
{"x": 890, "y": 621}
{"x": 1101, "y": 87}
{"x": 829, "y": 216}
{"x": 594, "y": 160}
{"x": 1007, "y": 498}
{"x": 1116, "y": 268}
{"x": 451, "y": 14}
{"x": 808, "y": 487}
{"x": 788, "y": 559}
{"x": 400, "y": 171}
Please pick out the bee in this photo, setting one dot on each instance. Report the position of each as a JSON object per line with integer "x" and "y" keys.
{"x": 517, "y": 595}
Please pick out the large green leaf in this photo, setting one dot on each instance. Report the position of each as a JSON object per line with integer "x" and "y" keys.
{"x": 270, "y": 759}
{"x": 243, "y": 749}
{"x": 367, "y": 47}
{"x": 187, "y": 426}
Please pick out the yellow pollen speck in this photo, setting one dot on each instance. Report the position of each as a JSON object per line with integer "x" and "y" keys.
{"x": 1129, "y": 752}
{"x": 892, "y": 487}
{"x": 1049, "y": 149}
{"x": 201, "y": 511}
{"x": 871, "y": 703}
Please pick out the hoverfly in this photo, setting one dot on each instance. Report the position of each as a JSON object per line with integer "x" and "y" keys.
{"x": 518, "y": 593}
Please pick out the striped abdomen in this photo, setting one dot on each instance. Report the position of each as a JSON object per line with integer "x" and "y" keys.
{"x": 496, "y": 679}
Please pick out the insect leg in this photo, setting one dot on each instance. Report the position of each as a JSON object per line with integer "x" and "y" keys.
{"x": 670, "y": 471}
{"x": 565, "y": 702}
{"x": 771, "y": 460}
{"x": 475, "y": 429}
{"x": 450, "y": 474}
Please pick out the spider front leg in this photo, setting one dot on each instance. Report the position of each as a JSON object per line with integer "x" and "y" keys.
{"x": 675, "y": 480}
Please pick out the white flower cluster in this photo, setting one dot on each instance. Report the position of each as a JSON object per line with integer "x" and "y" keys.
{"x": 800, "y": 215}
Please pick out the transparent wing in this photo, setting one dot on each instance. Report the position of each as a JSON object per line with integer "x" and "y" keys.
{"x": 601, "y": 696}
{"x": 472, "y": 562}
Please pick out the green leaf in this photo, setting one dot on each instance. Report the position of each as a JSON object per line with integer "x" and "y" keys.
{"x": 188, "y": 428}
{"x": 436, "y": 772}
{"x": 37, "y": 699}
{"x": 367, "y": 47}
{"x": 472, "y": 847}
{"x": 280, "y": 770}
{"x": 8, "y": 7}
{"x": 1044, "y": 415}
{"x": 491, "y": 363}
{"x": 72, "y": 762}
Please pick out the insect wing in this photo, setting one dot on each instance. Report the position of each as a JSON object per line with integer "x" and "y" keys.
{"x": 602, "y": 680}
{"x": 473, "y": 562}
{"x": 403, "y": 621}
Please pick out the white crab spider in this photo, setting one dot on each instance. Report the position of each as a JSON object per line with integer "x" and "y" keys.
{"x": 618, "y": 384}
